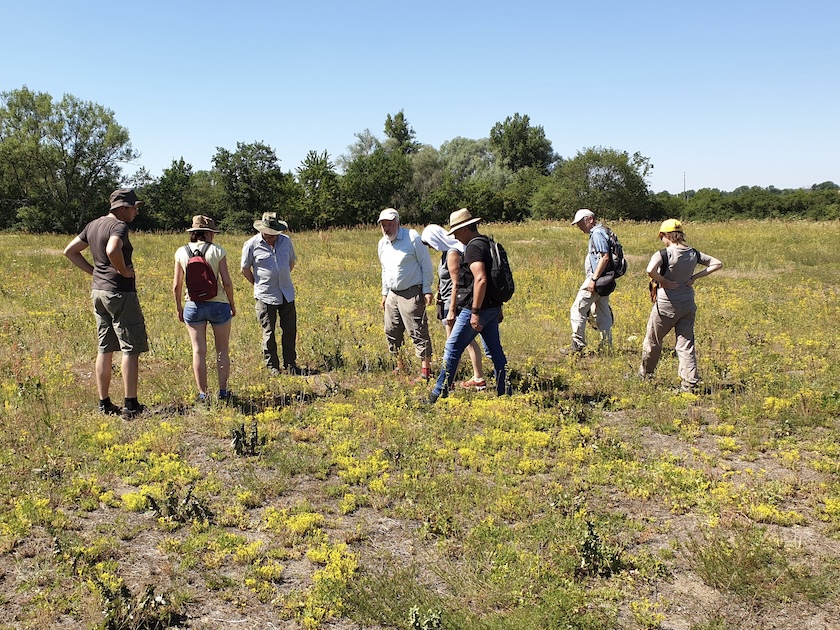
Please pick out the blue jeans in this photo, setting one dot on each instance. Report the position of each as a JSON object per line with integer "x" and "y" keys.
{"x": 460, "y": 337}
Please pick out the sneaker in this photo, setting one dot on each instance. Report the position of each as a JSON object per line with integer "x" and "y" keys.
{"x": 295, "y": 370}
{"x": 133, "y": 413}
{"x": 433, "y": 398}
{"x": 110, "y": 409}
{"x": 478, "y": 384}
{"x": 225, "y": 396}
{"x": 202, "y": 399}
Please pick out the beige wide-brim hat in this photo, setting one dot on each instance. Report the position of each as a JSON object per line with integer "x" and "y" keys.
{"x": 202, "y": 223}
{"x": 460, "y": 218}
{"x": 270, "y": 224}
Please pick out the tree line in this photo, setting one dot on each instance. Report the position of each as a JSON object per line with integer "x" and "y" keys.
{"x": 59, "y": 159}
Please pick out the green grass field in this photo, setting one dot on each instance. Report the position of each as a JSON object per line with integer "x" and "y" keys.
{"x": 588, "y": 499}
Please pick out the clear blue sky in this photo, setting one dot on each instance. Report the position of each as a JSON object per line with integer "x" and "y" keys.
{"x": 722, "y": 93}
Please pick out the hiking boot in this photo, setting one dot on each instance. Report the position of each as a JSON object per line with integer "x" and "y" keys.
{"x": 295, "y": 370}
{"x": 478, "y": 384}
{"x": 129, "y": 413}
{"x": 571, "y": 350}
{"x": 110, "y": 409}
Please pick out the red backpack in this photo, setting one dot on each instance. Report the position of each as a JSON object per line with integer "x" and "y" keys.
{"x": 202, "y": 284}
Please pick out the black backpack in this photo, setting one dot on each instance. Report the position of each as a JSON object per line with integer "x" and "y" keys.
{"x": 618, "y": 263}
{"x": 501, "y": 285}
{"x": 202, "y": 284}
{"x": 605, "y": 284}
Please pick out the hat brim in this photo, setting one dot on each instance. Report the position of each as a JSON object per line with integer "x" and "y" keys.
{"x": 259, "y": 226}
{"x": 124, "y": 204}
{"x": 202, "y": 230}
{"x": 458, "y": 226}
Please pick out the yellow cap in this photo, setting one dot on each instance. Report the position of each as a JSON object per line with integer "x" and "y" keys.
{"x": 670, "y": 225}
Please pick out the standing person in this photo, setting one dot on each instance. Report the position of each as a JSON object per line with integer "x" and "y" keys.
{"x": 477, "y": 312}
{"x": 587, "y": 300}
{"x": 673, "y": 270}
{"x": 217, "y": 310}
{"x": 119, "y": 320}
{"x": 406, "y": 289}
{"x": 452, "y": 252}
{"x": 268, "y": 259}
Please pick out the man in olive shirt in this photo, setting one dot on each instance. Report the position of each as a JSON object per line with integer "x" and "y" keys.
{"x": 119, "y": 319}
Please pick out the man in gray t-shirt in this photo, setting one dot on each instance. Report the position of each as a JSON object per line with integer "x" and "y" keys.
{"x": 119, "y": 319}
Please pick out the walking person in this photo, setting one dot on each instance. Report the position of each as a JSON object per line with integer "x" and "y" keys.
{"x": 673, "y": 271}
{"x": 119, "y": 319}
{"x": 268, "y": 259}
{"x": 588, "y": 302}
{"x": 452, "y": 252}
{"x": 477, "y": 313}
{"x": 205, "y": 303}
{"x": 406, "y": 290}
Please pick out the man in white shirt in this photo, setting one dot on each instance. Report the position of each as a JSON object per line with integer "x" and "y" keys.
{"x": 407, "y": 275}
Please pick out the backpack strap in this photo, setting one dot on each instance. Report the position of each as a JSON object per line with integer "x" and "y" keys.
{"x": 663, "y": 266}
{"x": 201, "y": 250}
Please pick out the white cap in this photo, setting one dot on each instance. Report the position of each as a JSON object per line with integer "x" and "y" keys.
{"x": 582, "y": 214}
{"x": 388, "y": 214}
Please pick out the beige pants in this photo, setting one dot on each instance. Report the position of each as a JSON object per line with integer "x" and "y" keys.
{"x": 590, "y": 304}
{"x": 406, "y": 311}
{"x": 664, "y": 316}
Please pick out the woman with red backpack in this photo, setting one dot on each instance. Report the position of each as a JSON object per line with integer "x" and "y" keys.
{"x": 200, "y": 266}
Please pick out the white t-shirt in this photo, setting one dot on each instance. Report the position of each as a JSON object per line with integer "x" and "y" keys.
{"x": 213, "y": 256}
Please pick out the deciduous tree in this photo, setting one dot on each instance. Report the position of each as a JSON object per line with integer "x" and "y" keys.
{"x": 518, "y": 145}
{"x": 62, "y": 157}
{"x": 610, "y": 182}
{"x": 253, "y": 184}
{"x": 320, "y": 193}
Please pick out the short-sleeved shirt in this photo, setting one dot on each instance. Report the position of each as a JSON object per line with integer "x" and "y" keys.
{"x": 213, "y": 256}
{"x": 478, "y": 250}
{"x": 599, "y": 244}
{"x": 96, "y": 234}
{"x": 682, "y": 261}
{"x": 272, "y": 268}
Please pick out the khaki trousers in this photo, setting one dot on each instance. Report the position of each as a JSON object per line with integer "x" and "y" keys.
{"x": 406, "y": 311}
{"x": 665, "y": 316}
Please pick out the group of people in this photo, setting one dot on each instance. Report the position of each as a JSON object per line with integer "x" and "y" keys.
{"x": 466, "y": 309}
{"x": 464, "y": 304}
{"x": 267, "y": 261}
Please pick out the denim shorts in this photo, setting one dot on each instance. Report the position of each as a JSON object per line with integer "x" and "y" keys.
{"x": 215, "y": 313}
